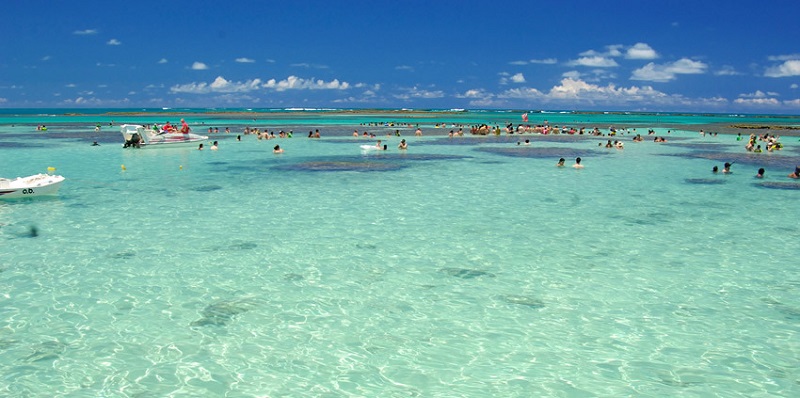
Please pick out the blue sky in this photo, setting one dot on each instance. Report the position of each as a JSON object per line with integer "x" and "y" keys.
{"x": 711, "y": 56}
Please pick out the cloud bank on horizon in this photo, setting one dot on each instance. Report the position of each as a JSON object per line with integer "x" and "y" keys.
{"x": 466, "y": 54}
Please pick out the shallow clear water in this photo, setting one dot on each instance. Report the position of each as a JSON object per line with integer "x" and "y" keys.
{"x": 465, "y": 267}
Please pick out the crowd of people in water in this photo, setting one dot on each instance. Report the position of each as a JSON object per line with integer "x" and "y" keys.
{"x": 770, "y": 141}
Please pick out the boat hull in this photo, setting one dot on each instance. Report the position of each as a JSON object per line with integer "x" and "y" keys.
{"x": 31, "y": 186}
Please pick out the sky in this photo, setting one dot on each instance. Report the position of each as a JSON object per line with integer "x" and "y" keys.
{"x": 732, "y": 56}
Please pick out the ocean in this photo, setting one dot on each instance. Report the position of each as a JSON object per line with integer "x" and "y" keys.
{"x": 463, "y": 266}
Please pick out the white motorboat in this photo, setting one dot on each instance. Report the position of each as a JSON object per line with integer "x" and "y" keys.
{"x": 137, "y": 136}
{"x": 30, "y": 186}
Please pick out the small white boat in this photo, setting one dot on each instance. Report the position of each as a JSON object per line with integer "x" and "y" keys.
{"x": 137, "y": 136}
{"x": 30, "y": 186}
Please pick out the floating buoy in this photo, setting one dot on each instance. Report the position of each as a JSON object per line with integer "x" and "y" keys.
{"x": 180, "y": 167}
{"x": 51, "y": 169}
{"x": 123, "y": 167}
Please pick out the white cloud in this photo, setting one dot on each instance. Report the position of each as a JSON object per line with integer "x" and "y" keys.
{"x": 162, "y": 61}
{"x": 474, "y": 93}
{"x": 219, "y": 85}
{"x": 788, "y": 68}
{"x": 666, "y": 72}
{"x": 522, "y": 93}
{"x": 244, "y": 60}
{"x": 308, "y": 66}
{"x": 726, "y": 70}
{"x": 641, "y": 51}
{"x": 46, "y": 58}
{"x": 113, "y": 42}
{"x": 594, "y": 61}
{"x": 759, "y": 94}
{"x": 757, "y": 101}
{"x": 545, "y": 61}
{"x": 611, "y": 51}
{"x": 416, "y": 92}
{"x": 508, "y": 78}
{"x": 576, "y": 91}
{"x": 404, "y": 67}
{"x": 85, "y": 32}
{"x": 785, "y": 57}
{"x": 793, "y": 103}
{"x": 573, "y": 74}
{"x": 794, "y": 85}
{"x": 199, "y": 66}
{"x": 369, "y": 87}
{"x": 297, "y": 83}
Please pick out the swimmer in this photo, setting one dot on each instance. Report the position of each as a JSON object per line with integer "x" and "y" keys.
{"x": 715, "y": 169}
{"x": 403, "y": 144}
{"x": 577, "y": 164}
{"x": 796, "y": 173}
{"x": 560, "y": 162}
{"x": 200, "y": 148}
{"x": 277, "y": 149}
{"x": 726, "y": 169}
{"x": 95, "y": 144}
{"x": 214, "y": 146}
{"x": 760, "y": 173}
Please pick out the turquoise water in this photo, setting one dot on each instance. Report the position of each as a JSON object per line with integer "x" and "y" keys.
{"x": 464, "y": 267}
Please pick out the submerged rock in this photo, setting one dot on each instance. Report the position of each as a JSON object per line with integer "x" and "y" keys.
{"x": 531, "y": 302}
{"x": 778, "y": 185}
{"x": 207, "y": 188}
{"x": 705, "y": 181}
{"x": 465, "y": 273}
{"x": 221, "y": 312}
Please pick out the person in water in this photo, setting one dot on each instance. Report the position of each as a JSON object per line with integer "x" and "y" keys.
{"x": 277, "y": 149}
{"x": 200, "y": 148}
{"x": 715, "y": 169}
{"x": 796, "y": 173}
{"x": 403, "y": 144}
{"x": 560, "y": 162}
{"x": 577, "y": 164}
{"x": 726, "y": 169}
{"x": 760, "y": 173}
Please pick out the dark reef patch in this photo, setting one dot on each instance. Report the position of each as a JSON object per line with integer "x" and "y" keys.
{"x": 527, "y": 301}
{"x": 465, "y": 273}
{"x": 541, "y": 153}
{"x": 789, "y": 186}
{"x": 207, "y": 188}
{"x": 342, "y": 165}
{"x": 221, "y": 312}
{"x": 705, "y": 181}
